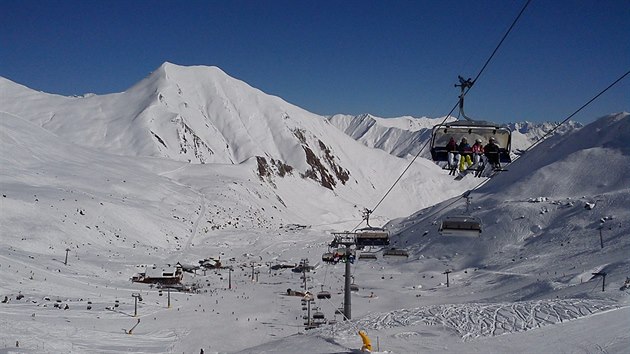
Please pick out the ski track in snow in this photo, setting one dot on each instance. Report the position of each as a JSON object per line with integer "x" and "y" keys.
{"x": 476, "y": 320}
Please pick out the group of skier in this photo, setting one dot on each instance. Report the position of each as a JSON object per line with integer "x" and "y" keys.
{"x": 464, "y": 156}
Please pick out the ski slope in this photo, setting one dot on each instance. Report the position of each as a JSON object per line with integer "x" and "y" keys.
{"x": 526, "y": 285}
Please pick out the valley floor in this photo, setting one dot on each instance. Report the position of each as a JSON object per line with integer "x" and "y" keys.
{"x": 404, "y": 305}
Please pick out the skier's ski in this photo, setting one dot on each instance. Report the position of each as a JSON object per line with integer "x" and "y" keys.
{"x": 463, "y": 173}
{"x": 477, "y": 168}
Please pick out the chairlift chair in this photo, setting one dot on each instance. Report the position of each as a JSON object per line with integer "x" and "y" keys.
{"x": 395, "y": 253}
{"x": 372, "y": 236}
{"x": 367, "y": 256}
{"x": 354, "y": 287}
{"x": 461, "y": 225}
{"x": 323, "y": 294}
{"x": 318, "y": 315}
{"x": 344, "y": 255}
{"x": 328, "y": 257}
{"x": 471, "y": 130}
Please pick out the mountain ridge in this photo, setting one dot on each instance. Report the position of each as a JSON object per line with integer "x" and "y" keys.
{"x": 405, "y": 136}
{"x": 200, "y": 115}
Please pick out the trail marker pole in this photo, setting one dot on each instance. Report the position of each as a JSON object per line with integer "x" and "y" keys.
{"x": 603, "y": 275}
{"x": 66, "y": 261}
{"x": 447, "y": 273}
{"x": 230, "y": 278}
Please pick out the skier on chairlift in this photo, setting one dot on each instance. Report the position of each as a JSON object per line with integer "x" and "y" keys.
{"x": 477, "y": 150}
{"x": 491, "y": 150}
{"x": 451, "y": 147}
{"x": 465, "y": 151}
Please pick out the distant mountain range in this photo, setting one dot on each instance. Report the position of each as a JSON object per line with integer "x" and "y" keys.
{"x": 405, "y": 136}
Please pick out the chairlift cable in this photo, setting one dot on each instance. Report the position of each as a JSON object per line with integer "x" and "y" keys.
{"x": 578, "y": 110}
{"x": 456, "y": 105}
{"x": 564, "y": 121}
{"x": 498, "y": 45}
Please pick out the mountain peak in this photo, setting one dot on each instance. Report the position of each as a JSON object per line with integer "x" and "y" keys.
{"x": 175, "y": 72}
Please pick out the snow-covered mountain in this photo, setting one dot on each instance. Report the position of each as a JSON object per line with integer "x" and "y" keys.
{"x": 90, "y": 197}
{"x": 404, "y": 136}
{"x": 200, "y": 115}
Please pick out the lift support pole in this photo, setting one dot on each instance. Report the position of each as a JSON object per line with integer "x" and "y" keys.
{"x": 346, "y": 239}
{"x": 347, "y": 297}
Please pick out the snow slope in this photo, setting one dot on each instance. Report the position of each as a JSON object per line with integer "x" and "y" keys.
{"x": 526, "y": 285}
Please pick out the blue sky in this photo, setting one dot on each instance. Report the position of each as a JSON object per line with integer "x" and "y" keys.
{"x": 387, "y": 58}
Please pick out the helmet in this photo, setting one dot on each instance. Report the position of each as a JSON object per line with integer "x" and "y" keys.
{"x": 464, "y": 139}
{"x": 478, "y": 141}
{"x": 493, "y": 139}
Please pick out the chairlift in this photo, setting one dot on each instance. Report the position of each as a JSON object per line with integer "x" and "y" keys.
{"x": 344, "y": 255}
{"x": 318, "y": 315}
{"x": 461, "y": 225}
{"x": 354, "y": 287}
{"x": 323, "y": 295}
{"x": 368, "y": 256}
{"x": 395, "y": 253}
{"x": 372, "y": 236}
{"x": 328, "y": 257}
{"x": 471, "y": 130}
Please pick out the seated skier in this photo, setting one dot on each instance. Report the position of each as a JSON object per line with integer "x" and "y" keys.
{"x": 491, "y": 150}
{"x": 465, "y": 151}
{"x": 477, "y": 150}
{"x": 451, "y": 147}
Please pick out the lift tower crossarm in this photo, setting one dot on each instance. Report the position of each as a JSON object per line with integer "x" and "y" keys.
{"x": 463, "y": 85}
